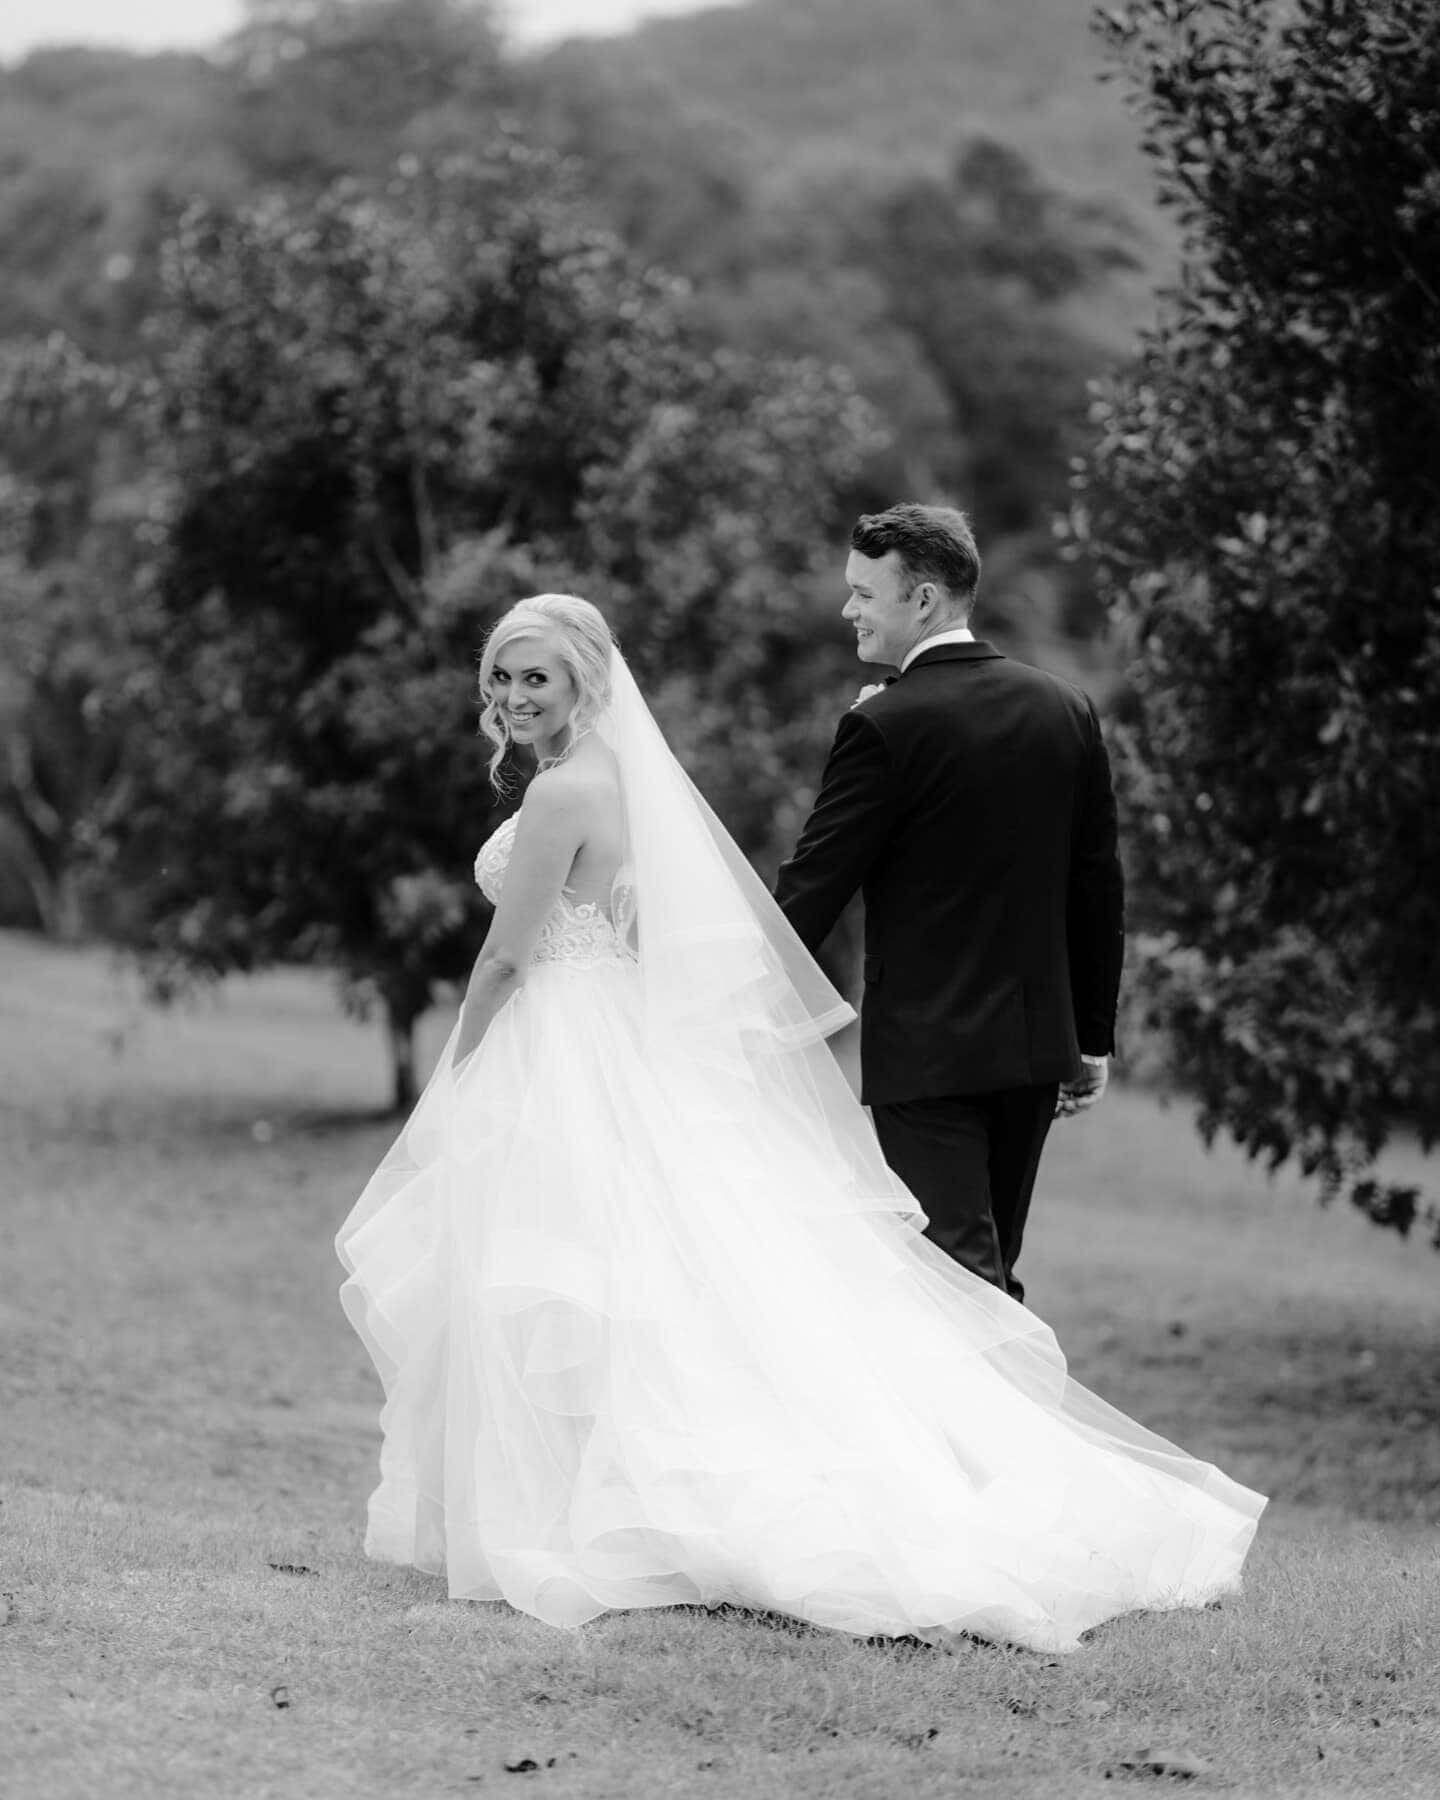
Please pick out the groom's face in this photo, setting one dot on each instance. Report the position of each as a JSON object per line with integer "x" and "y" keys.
{"x": 887, "y": 617}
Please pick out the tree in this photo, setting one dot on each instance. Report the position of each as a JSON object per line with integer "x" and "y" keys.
{"x": 669, "y": 180}
{"x": 981, "y": 271}
{"x": 72, "y": 489}
{"x": 325, "y": 88}
{"x": 968, "y": 294}
{"x": 960, "y": 302}
{"x": 388, "y": 412}
{"x": 1262, "y": 509}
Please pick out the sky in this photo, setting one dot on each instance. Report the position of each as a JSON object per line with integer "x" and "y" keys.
{"x": 191, "y": 24}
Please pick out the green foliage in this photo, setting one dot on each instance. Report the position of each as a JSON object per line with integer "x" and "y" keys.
{"x": 951, "y": 298}
{"x": 795, "y": 86}
{"x": 675, "y": 182}
{"x": 797, "y": 160}
{"x": 977, "y": 269}
{"x": 71, "y": 494}
{"x": 1263, "y": 509}
{"x": 103, "y": 150}
{"x": 99, "y": 150}
{"x": 387, "y": 413}
{"x": 900, "y": 190}
{"x": 669, "y": 468}
{"x": 324, "y": 88}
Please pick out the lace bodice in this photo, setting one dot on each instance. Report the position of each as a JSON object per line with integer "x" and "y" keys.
{"x": 581, "y": 935}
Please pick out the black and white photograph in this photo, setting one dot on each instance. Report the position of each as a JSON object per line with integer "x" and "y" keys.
{"x": 719, "y": 899}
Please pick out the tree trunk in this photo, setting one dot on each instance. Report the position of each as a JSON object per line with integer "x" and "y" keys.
{"x": 400, "y": 1033}
{"x": 69, "y": 909}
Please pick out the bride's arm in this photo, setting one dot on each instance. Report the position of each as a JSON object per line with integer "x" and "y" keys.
{"x": 548, "y": 836}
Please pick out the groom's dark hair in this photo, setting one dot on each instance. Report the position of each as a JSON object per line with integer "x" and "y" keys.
{"x": 934, "y": 543}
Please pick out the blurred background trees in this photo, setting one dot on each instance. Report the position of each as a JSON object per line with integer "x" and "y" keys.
{"x": 316, "y": 354}
{"x": 381, "y": 414}
{"x": 73, "y": 492}
{"x": 1262, "y": 509}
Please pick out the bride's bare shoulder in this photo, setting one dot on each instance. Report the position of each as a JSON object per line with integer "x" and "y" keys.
{"x": 588, "y": 777}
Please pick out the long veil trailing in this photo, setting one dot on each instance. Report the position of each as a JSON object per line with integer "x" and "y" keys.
{"x": 728, "y": 985}
{"x": 716, "y": 952}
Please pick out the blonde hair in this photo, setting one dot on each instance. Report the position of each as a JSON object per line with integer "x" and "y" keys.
{"x": 583, "y": 643}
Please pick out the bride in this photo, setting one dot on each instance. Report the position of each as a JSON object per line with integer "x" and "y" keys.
{"x": 656, "y": 1324}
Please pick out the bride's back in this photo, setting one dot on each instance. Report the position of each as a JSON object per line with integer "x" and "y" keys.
{"x": 591, "y": 774}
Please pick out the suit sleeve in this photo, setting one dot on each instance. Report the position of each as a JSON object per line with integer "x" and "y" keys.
{"x": 848, "y": 825}
{"x": 1095, "y": 908}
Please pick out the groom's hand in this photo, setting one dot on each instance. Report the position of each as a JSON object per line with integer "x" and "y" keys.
{"x": 1081, "y": 1094}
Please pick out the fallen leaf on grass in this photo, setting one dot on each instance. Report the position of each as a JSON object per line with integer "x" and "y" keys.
{"x": 280, "y": 1696}
{"x": 527, "y": 1765}
{"x": 292, "y": 1569}
{"x": 1180, "y": 1764}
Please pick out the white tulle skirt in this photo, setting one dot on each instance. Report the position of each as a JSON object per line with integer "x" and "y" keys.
{"x": 654, "y": 1334}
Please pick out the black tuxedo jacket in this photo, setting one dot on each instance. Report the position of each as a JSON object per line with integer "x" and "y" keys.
{"x": 971, "y": 803}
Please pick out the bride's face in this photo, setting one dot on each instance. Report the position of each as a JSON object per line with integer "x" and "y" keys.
{"x": 535, "y": 693}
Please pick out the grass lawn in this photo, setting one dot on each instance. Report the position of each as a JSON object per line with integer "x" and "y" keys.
{"x": 188, "y": 1433}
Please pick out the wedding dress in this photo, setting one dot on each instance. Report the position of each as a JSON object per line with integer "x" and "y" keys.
{"x": 657, "y": 1326}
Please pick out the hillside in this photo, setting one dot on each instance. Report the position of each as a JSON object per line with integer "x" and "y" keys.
{"x": 698, "y": 129}
{"x": 96, "y": 145}
{"x": 939, "y": 197}
{"x": 796, "y": 85}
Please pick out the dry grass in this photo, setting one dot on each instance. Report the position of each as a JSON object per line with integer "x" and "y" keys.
{"x": 185, "y": 1408}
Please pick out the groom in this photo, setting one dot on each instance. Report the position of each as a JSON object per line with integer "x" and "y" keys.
{"x": 970, "y": 801}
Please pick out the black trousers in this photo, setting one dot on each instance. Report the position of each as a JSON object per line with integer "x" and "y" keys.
{"x": 970, "y": 1160}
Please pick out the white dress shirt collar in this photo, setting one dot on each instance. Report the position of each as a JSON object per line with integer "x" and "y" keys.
{"x": 959, "y": 634}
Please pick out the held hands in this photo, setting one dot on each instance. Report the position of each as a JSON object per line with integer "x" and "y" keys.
{"x": 1081, "y": 1094}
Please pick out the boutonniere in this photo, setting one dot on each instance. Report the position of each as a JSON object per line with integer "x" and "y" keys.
{"x": 875, "y": 687}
